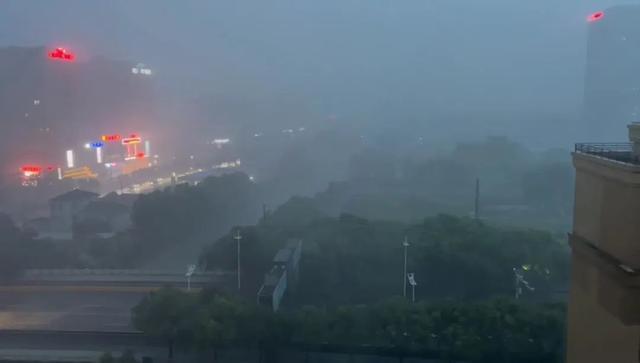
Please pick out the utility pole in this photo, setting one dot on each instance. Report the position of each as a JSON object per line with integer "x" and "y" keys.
{"x": 405, "y": 244}
{"x": 264, "y": 212}
{"x": 238, "y": 237}
{"x": 412, "y": 281}
{"x": 476, "y": 210}
{"x": 190, "y": 270}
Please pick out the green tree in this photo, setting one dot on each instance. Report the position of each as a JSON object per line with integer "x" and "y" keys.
{"x": 165, "y": 313}
{"x": 107, "y": 358}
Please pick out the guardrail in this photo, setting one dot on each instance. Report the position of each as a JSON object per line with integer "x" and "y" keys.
{"x": 112, "y": 272}
{"x": 137, "y": 278}
{"x": 622, "y": 151}
{"x": 604, "y": 148}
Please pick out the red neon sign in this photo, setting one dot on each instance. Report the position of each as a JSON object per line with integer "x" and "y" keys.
{"x": 110, "y": 138}
{"x": 31, "y": 169}
{"x": 131, "y": 140}
{"x": 140, "y": 155}
{"x": 598, "y": 15}
{"x": 62, "y": 54}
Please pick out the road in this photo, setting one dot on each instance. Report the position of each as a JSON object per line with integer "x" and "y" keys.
{"x": 102, "y": 309}
{"x": 60, "y": 346}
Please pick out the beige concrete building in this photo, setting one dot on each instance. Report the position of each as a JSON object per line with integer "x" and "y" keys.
{"x": 604, "y": 302}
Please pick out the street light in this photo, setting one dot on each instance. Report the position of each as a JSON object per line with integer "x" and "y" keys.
{"x": 238, "y": 237}
{"x": 190, "y": 270}
{"x": 413, "y": 283}
{"x": 405, "y": 244}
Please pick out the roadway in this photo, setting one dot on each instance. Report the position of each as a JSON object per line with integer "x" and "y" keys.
{"x": 62, "y": 346}
{"x": 82, "y": 309}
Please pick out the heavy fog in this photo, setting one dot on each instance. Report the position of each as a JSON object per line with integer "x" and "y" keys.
{"x": 445, "y": 70}
{"x": 181, "y": 170}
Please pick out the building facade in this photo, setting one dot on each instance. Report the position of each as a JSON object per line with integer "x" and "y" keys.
{"x": 604, "y": 301}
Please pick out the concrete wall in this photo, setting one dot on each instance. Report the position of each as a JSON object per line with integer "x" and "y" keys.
{"x": 606, "y": 215}
{"x": 594, "y": 335}
{"x": 607, "y": 206}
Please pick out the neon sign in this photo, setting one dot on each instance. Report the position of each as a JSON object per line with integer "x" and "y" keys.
{"x": 34, "y": 169}
{"x": 96, "y": 144}
{"x": 131, "y": 140}
{"x": 62, "y": 54}
{"x": 110, "y": 138}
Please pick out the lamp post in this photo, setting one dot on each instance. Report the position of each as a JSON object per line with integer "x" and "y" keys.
{"x": 405, "y": 244}
{"x": 412, "y": 281}
{"x": 190, "y": 270}
{"x": 238, "y": 237}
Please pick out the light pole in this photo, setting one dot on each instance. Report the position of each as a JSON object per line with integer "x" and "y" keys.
{"x": 412, "y": 281}
{"x": 519, "y": 282}
{"x": 190, "y": 270}
{"x": 405, "y": 244}
{"x": 238, "y": 237}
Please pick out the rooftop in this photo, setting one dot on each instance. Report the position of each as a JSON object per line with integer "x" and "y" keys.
{"x": 621, "y": 152}
{"x": 75, "y": 195}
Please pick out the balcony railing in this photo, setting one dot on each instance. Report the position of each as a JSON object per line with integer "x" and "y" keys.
{"x": 621, "y": 151}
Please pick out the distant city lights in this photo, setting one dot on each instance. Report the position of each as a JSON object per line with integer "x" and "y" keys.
{"x": 70, "y": 159}
{"x": 99, "y": 155}
{"x": 220, "y": 142}
{"x": 228, "y": 164}
{"x": 142, "y": 69}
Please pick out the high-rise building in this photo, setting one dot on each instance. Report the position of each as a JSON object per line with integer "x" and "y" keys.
{"x": 612, "y": 79}
{"x": 604, "y": 301}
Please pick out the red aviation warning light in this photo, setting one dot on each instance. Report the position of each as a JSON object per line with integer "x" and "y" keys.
{"x": 62, "y": 54}
{"x": 598, "y": 15}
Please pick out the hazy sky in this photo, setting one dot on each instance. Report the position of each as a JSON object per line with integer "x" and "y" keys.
{"x": 400, "y": 56}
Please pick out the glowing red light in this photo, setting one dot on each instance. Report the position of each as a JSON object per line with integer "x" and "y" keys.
{"x": 34, "y": 169}
{"x": 62, "y": 54}
{"x": 109, "y": 138}
{"x": 598, "y": 15}
{"x": 131, "y": 140}
{"x": 140, "y": 155}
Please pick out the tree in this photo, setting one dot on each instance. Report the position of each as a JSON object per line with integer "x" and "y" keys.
{"x": 165, "y": 313}
{"x": 107, "y": 358}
